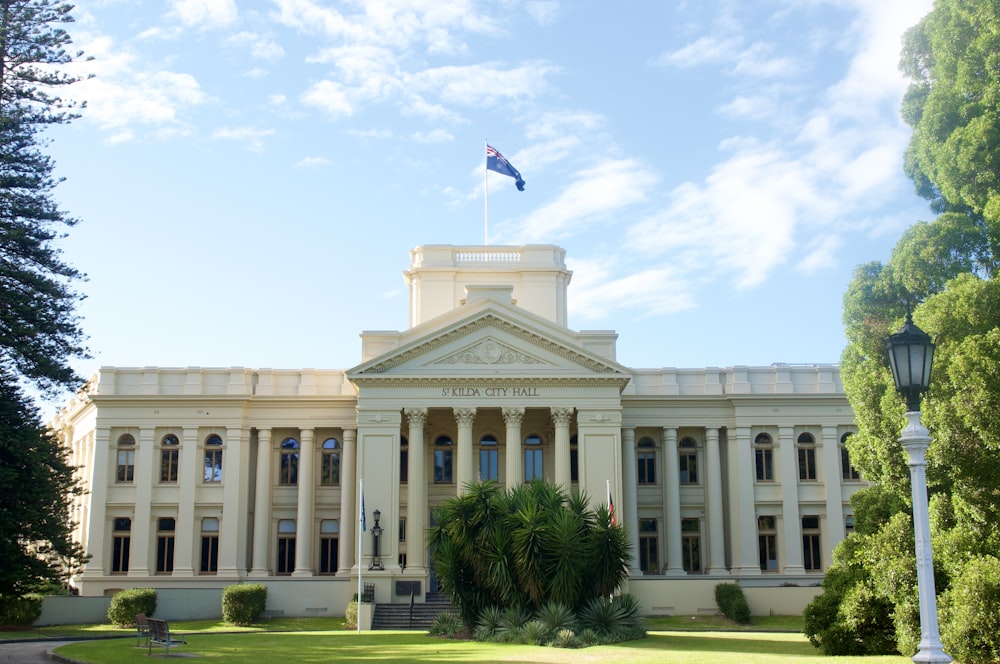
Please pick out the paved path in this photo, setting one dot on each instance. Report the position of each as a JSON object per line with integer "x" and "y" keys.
{"x": 29, "y": 652}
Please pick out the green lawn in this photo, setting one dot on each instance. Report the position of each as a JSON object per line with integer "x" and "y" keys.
{"x": 347, "y": 646}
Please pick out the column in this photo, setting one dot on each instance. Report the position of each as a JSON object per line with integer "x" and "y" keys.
{"x": 742, "y": 508}
{"x": 416, "y": 509}
{"x": 713, "y": 496}
{"x": 630, "y": 508}
{"x": 464, "y": 417}
{"x": 671, "y": 484}
{"x": 832, "y": 476}
{"x": 186, "y": 526}
{"x": 147, "y": 472}
{"x": 791, "y": 522}
{"x": 235, "y": 490}
{"x": 304, "y": 526}
{"x": 348, "y": 510}
{"x": 513, "y": 417}
{"x": 561, "y": 417}
{"x": 98, "y": 526}
{"x": 261, "y": 566}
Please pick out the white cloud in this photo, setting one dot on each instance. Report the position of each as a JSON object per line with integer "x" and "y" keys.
{"x": 371, "y": 133}
{"x": 313, "y": 162}
{"x": 330, "y": 96}
{"x": 205, "y": 13}
{"x": 252, "y": 136}
{"x": 598, "y": 291}
{"x": 261, "y": 47}
{"x": 597, "y": 193}
{"x": 434, "y": 136}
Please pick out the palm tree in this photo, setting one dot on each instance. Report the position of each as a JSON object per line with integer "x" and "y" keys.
{"x": 524, "y": 548}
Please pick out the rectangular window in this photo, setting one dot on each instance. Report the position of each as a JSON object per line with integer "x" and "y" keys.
{"x": 165, "y": 545}
{"x": 767, "y": 541}
{"x": 213, "y": 465}
{"x": 286, "y": 546}
{"x": 811, "y": 555}
{"x": 402, "y": 530}
{"x": 648, "y": 561}
{"x": 765, "y": 464}
{"x": 807, "y": 463}
{"x": 209, "y": 546}
{"x": 331, "y": 469}
{"x": 647, "y": 467}
{"x": 691, "y": 545}
{"x": 168, "y": 465}
{"x": 329, "y": 530}
{"x": 125, "y": 470}
{"x": 689, "y": 467}
{"x": 289, "y": 468}
{"x": 574, "y": 465}
{"x": 120, "y": 545}
{"x": 848, "y": 470}
{"x": 488, "y": 464}
{"x": 442, "y": 467}
{"x": 404, "y": 465}
{"x": 532, "y": 465}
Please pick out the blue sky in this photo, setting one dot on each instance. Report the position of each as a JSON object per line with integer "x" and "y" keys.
{"x": 250, "y": 176}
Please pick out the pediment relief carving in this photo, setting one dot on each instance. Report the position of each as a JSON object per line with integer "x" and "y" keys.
{"x": 489, "y": 351}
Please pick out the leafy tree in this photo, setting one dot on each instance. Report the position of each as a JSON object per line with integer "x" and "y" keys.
{"x": 39, "y": 330}
{"x": 523, "y": 548}
{"x": 945, "y": 271}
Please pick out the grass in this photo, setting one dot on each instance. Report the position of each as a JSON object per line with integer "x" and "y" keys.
{"x": 185, "y": 626}
{"x": 349, "y": 647}
{"x": 719, "y": 623}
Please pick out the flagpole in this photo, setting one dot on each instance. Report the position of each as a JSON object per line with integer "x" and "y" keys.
{"x": 486, "y": 190}
{"x": 361, "y": 560}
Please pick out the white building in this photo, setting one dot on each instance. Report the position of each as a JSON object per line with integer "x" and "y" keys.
{"x": 200, "y": 478}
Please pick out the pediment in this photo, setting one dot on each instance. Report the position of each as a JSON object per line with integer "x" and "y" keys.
{"x": 493, "y": 343}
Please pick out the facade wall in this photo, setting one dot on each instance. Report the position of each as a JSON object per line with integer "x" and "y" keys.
{"x": 198, "y": 478}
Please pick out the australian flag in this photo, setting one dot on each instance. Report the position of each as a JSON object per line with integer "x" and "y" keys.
{"x": 497, "y": 162}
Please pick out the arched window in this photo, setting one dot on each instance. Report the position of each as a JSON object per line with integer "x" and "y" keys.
{"x": 442, "y": 460}
{"x": 331, "y": 463}
{"x": 763, "y": 449}
{"x": 213, "y": 459}
{"x": 807, "y": 457}
{"x": 489, "y": 458}
{"x": 289, "y": 462}
{"x": 125, "y": 468}
{"x": 169, "y": 452}
{"x": 847, "y": 469}
{"x": 688, "y": 460}
{"x": 533, "y": 461}
{"x": 646, "y": 459}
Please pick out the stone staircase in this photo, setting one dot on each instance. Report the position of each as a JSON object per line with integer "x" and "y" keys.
{"x": 397, "y": 616}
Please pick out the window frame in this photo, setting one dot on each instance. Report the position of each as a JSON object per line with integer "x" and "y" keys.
{"x": 645, "y": 459}
{"x": 687, "y": 462}
{"x": 489, "y": 452}
{"x": 444, "y": 460}
{"x": 329, "y": 547}
{"x": 649, "y": 546}
{"x": 208, "y": 563}
{"x": 534, "y": 458}
{"x": 285, "y": 550}
{"x": 125, "y": 449}
{"x": 121, "y": 544}
{"x": 170, "y": 455}
{"x": 763, "y": 445}
{"x": 805, "y": 446}
{"x": 848, "y": 472}
{"x": 212, "y": 460}
{"x": 166, "y": 527}
{"x": 691, "y": 545}
{"x": 288, "y": 467}
{"x": 812, "y": 553}
{"x": 767, "y": 542}
{"x": 330, "y": 462}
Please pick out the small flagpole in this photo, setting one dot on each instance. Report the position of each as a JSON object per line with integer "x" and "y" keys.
{"x": 486, "y": 190}
{"x": 361, "y": 560}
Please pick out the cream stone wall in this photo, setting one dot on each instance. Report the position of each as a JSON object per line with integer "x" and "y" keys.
{"x": 488, "y": 354}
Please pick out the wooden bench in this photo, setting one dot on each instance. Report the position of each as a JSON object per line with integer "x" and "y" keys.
{"x": 141, "y": 628}
{"x": 159, "y": 634}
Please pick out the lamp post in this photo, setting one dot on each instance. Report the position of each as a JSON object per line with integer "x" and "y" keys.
{"x": 376, "y": 536}
{"x": 911, "y": 354}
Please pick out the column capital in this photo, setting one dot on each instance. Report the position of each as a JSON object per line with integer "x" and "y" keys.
{"x": 562, "y": 417}
{"x": 513, "y": 416}
{"x": 464, "y": 416}
{"x": 417, "y": 417}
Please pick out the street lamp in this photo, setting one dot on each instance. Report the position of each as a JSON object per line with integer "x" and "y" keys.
{"x": 911, "y": 354}
{"x": 376, "y": 536}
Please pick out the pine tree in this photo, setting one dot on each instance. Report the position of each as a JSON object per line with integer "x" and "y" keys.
{"x": 39, "y": 330}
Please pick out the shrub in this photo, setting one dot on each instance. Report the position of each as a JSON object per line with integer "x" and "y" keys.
{"x": 607, "y": 618}
{"x": 565, "y": 638}
{"x": 535, "y": 633}
{"x": 126, "y": 604}
{"x": 351, "y": 612}
{"x": 971, "y": 613}
{"x": 489, "y": 623}
{"x": 732, "y": 602}
{"x": 446, "y": 624}
{"x": 243, "y": 603}
{"x": 20, "y": 611}
{"x": 556, "y": 616}
{"x": 514, "y": 619}
{"x": 588, "y": 637}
